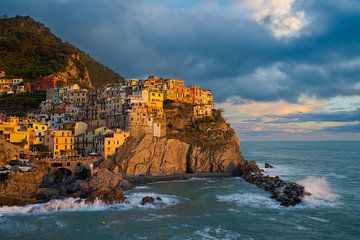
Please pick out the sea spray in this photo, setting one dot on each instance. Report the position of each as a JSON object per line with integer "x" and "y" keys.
{"x": 321, "y": 192}
{"x": 76, "y": 204}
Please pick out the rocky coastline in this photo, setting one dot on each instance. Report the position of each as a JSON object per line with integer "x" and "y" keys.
{"x": 203, "y": 148}
{"x": 109, "y": 187}
{"x": 287, "y": 193}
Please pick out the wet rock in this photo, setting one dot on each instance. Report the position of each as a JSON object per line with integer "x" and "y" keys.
{"x": 105, "y": 186}
{"x": 286, "y": 192}
{"x": 106, "y": 196}
{"x": 147, "y": 200}
{"x": 268, "y": 165}
{"x": 247, "y": 167}
{"x": 47, "y": 193}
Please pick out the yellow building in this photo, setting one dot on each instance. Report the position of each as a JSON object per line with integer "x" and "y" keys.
{"x": 39, "y": 132}
{"x": 13, "y": 120}
{"x": 206, "y": 97}
{"x": 174, "y": 83}
{"x": 24, "y": 138}
{"x": 174, "y": 88}
{"x": 7, "y": 128}
{"x": 59, "y": 141}
{"x": 109, "y": 143}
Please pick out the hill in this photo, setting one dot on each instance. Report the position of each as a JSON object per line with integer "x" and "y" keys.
{"x": 21, "y": 103}
{"x": 29, "y": 49}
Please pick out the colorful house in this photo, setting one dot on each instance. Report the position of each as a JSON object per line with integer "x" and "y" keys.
{"x": 109, "y": 143}
{"x": 59, "y": 141}
{"x": 39, "y": 130}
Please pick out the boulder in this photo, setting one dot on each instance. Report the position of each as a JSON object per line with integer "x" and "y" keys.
{"x": 151, "y": 200}
{"x": 268, "y": 165}
{"x": 105, "y": 186}
{"x": 147, "y": 200}
{"x": 247, "y": 167}
{"x": 47, "y": 193}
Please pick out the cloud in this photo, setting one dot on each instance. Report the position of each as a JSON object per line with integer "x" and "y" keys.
{"x": 280, "y": 107}
{"x": 350, "y": 128}
{"x": 338, "y": 116}
{"x": 278, "y": 16}
{"x": 263, "y": 60}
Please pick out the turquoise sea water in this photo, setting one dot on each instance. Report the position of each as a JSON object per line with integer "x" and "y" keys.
{"x": 217, "y": 208}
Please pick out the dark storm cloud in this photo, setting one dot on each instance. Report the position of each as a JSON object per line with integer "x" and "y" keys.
{"x": 338, "y": 116}
{"x": 233, "y": 56}
{"x": 352, "y": 128}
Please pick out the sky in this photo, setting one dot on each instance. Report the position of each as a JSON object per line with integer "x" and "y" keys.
{"x": 280, "y": 69}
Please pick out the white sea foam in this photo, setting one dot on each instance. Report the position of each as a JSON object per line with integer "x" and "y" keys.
{"x": 280, "y": 170}
{"x": 321, "y": 192}
{"x": 318, "y": 219}
{"x": 166, "y": 200}
{"x": 75, "y": 204}
{"x": 141, "y": 187}
{"x": 216, "y": 233}
{"x": 249, "y": 199}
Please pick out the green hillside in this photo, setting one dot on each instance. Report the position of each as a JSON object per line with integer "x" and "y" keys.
{"x": 28, "y": 49}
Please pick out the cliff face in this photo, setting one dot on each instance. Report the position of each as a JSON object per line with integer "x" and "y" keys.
{"x": 152, "y": 156}
{"x": 201, "y": 147}
{"x": 76, "y": 72}
{"x": 157, "y": 156}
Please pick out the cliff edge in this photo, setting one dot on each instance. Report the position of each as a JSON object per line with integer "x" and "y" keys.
{"x": 207, "y": 145}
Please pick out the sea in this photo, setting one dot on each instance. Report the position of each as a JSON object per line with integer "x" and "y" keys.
{"x": 217, "y": 208}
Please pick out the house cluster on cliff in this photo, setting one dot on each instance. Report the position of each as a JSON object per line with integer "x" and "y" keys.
{"x": 42, "y": 83}
{"x": 11, "y": 85}
{"x": 73, "y": 120}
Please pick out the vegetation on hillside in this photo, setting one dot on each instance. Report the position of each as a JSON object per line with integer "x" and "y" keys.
{"x": 206, "y": 132}
{"x": 21, "y": 103}
{"x": 28, "y": 49}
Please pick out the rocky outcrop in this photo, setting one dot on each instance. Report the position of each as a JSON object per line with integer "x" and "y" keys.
{"x": 20, "y": 189}
{"x": 268, "y": 165}
{"x": 21, "y": 184}
{"x": 150, "y": 155}
{"x": 9, "y": 151}
{"x": 76, "y": 72}
{"x": 35, "y": 187}
{"x": 288, "y": 193}
{"x": 148, "y": 200}
{"x": 246, "y": 167}
{"x": 105, "y": 186}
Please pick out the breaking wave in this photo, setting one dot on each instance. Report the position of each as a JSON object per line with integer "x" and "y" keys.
{"x": 249, "y": 199}
{"x": 216, "y": 233}
{"x": 321, "y": 192}
{"x": 76, "y": 204}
